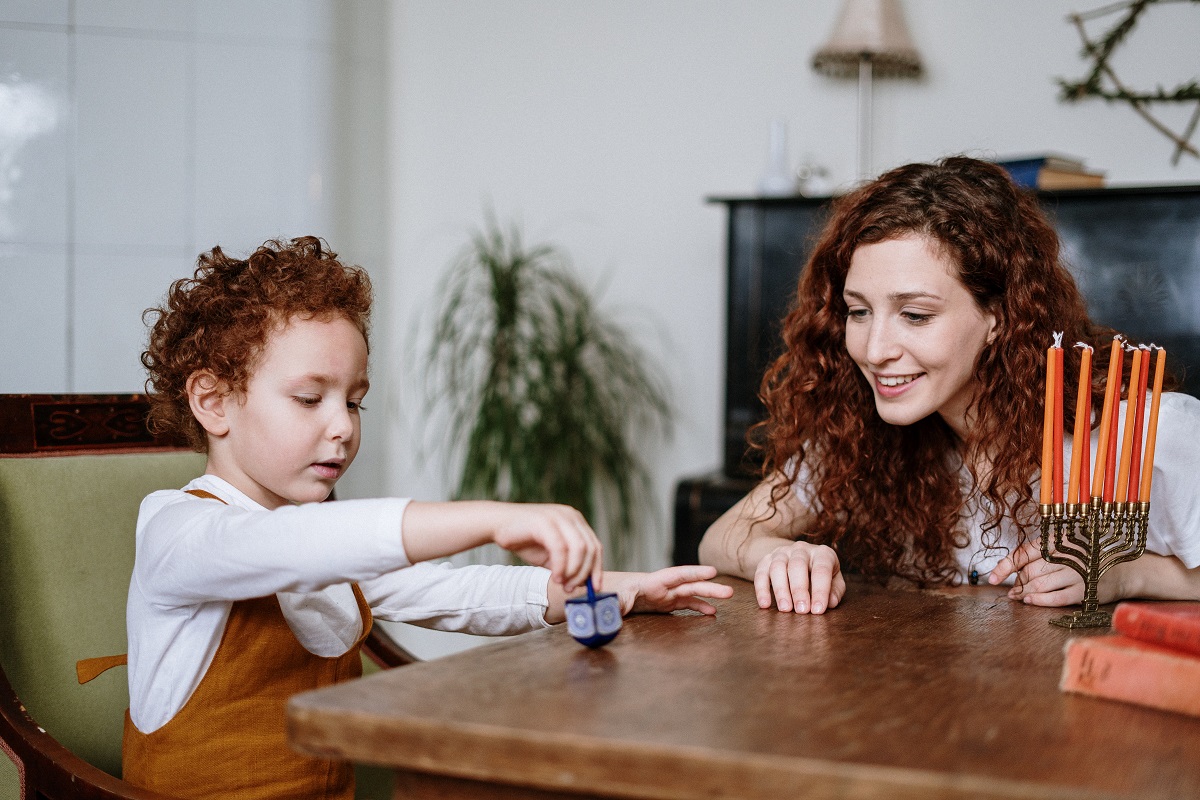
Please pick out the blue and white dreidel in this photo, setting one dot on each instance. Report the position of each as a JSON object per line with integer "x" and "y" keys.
{"x": 594, "y": 620}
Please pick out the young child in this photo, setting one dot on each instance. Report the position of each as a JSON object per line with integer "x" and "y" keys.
{"x": 247, "y": 588}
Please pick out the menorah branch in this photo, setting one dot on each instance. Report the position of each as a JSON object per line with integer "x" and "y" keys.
{"x": 1090, "y": 539}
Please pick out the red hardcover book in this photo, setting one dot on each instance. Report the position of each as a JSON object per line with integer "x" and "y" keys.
{"x": 1119, "y": 668}
{"x": 1173, "y": 624}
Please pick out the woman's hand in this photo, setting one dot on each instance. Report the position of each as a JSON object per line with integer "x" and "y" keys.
{"x": 1150, "y": 576}
{"x": 1041, "y": 583}
{"x": 800, "y": 577}
{"x": 667, "y": 590}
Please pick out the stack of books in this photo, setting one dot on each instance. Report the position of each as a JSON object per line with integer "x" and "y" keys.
{"x": 1153, "y": 659}
{"x": 1052, "y": 171}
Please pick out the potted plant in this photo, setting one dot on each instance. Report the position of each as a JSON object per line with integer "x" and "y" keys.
{"x": 545, "y": 398}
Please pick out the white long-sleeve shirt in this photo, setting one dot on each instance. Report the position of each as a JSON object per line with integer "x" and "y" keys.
{"x": 1174, "y": 526}
{"x": 195, "y": 557}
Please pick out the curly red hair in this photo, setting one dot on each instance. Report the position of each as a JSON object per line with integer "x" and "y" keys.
{"x": 219, "y": 319}
{"x": 891, "y": 499}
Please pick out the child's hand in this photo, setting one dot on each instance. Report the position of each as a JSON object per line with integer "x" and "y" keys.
{"x": 553, "y": 536}
{"x": 667, "y": 590}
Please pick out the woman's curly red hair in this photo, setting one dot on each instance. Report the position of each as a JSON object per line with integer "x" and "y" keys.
{"x": 891, "y": 499}
{"x": 219, "y": 319}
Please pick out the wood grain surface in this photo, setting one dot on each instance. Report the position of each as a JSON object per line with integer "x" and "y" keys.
{"x": 896, "y": 694}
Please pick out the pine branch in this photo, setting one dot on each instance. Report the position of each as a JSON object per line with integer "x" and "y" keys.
{"x": 1100, "y": 51}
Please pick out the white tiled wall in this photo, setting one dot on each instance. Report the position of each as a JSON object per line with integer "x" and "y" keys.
{"x": 136, "y": 133}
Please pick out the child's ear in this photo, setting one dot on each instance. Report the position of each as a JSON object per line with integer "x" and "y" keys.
{"x": 208, "y": 396}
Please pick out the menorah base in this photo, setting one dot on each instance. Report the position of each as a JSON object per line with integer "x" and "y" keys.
{"x": 1084, "y": 619}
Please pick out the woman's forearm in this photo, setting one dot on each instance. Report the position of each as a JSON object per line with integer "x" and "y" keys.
{"x": 735, "y": 552}
{"x": 1155, "y": 577}
{"x": 746, "y": 533}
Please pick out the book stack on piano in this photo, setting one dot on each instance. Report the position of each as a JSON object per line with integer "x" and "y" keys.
{"x": 1052, "y": 172}
{"x": 1153, "y": 659}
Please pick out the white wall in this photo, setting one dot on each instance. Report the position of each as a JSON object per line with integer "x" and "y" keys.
{"x": 136, "y": 133}
{"x": 604, "y": 126}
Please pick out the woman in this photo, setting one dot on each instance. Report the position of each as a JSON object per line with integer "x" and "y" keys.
{"x": 904, "y": 425}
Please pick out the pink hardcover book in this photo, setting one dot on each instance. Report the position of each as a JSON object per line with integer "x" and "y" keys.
{"x": 1119, "y": 668}
{"x": 1172, "y": 624}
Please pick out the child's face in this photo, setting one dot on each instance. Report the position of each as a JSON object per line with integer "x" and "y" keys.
{"x": 295, "y": 429}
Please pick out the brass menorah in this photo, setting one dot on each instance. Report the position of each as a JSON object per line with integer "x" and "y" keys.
{"x": 1090, "y": 538}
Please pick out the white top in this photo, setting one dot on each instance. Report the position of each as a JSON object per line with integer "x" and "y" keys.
{"x": 1174, "y": 528}
{"x": 195, "y": 557}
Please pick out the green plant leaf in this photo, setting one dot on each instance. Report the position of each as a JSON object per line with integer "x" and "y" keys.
{"x": 546, "y": 399}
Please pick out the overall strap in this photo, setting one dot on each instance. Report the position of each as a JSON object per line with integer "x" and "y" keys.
{"x": 87, "y": 669}
{"x": 204, "y": 495}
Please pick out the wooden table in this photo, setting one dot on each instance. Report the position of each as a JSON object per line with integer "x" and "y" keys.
{"x": 896, "y": 694}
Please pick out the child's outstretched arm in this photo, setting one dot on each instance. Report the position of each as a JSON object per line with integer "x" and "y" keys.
{"x": 552, "y": 536}
{"x": 664, "y": 591}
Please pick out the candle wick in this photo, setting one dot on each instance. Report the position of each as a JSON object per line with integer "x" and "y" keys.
{"x": 1058, "y": 337}
{"x": 1084, "y": 345}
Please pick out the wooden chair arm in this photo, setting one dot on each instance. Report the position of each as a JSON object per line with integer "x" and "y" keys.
{"x": 51, "y": 771}
{"x": 385, "y": 651}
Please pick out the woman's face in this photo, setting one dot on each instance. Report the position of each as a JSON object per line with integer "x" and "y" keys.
{"x": 914, "y": 330}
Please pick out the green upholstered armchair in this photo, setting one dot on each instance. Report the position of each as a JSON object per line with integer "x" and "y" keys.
{"x": 73, "y": 470}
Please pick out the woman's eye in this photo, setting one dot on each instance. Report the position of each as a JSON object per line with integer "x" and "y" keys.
{"x": 355, "y": 405}
{"x": 857, "y": 313}
{"x": 305, "y": 400}
{"x": 917, "y": 319}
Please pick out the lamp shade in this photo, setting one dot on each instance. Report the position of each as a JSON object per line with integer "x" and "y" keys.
{"x": 869, "y": 30}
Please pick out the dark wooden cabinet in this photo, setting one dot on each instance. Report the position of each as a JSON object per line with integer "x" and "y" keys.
{"x": 698, "y": 503}
{"x": 768, "y": 243}
{"x": 1134, "y": 251}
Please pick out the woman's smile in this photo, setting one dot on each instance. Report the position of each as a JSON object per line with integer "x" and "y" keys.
{"x": 894, "y": 385}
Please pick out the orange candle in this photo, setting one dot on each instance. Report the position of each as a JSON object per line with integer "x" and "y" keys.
{"x": 1081, "y": 441}
{"x": 1047, "y": 479}
{"x": 1152, "y": 428}
{"x": 1135, "y": 380}
{"x": 1085, "y": 460}
{"x": 1112, "y": 389}
{"x": 1114, "y": 417}
{"x": 1058, "y": 422}
{"x": 1140, "y": 417}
